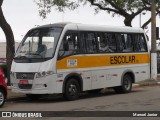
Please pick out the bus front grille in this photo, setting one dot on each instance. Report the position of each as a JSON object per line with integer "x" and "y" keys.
{"x": 29, "y": 76}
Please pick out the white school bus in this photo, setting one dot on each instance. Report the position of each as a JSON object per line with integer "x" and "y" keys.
{"x": 70, "y": 58}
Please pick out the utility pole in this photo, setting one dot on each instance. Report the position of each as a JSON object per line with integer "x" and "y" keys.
{"x": 153, "y": 41}
{"x": 140, "y": 20}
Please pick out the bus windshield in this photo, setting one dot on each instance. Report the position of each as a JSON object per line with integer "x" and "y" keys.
{"x": 39, "y": 43}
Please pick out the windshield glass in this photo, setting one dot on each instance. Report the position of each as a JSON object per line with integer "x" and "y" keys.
{"x": 39, "y": 43}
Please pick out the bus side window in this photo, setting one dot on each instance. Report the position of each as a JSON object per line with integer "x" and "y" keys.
{"x": 91, "y": 43}
{"x": 83, "y": 41}
{"x": 111, "y": 42}
{"x": 102, "y": 43}
{"x": 70, "y": 45}
{"x": 121, "y": 46}
{"x": 129, "y": 44}
{"x": 125, "y": 42}
{"x": 140, "y": 43}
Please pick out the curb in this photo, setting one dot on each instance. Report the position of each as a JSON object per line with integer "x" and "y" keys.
{"x": 136, "y": 85}
{"x": 147, "y": 83}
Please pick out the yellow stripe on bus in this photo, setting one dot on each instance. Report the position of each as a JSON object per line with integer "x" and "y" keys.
{"x": 87, "y": 61}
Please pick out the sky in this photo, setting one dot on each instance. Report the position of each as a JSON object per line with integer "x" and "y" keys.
{"x": 23, "y": 15}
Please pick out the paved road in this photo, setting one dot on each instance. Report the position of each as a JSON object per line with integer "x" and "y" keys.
{"x": 140, "y": 99}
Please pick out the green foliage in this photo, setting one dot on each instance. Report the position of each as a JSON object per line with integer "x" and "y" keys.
{"x": 126, "y": 8}
{"x": 46, "y": 5}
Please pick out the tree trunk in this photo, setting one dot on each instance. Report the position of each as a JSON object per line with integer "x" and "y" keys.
{"x": 128, "y": 21}
{"x": 10, "y": 48}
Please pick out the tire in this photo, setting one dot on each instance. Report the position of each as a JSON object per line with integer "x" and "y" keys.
{"x": 2, "y": 97}
{"x": 33, "y": 96}
{"x": 126, "y": 85}
{"x": 72, "y": 89}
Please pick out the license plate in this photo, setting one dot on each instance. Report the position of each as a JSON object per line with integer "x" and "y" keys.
{"x": 23, "y": 82}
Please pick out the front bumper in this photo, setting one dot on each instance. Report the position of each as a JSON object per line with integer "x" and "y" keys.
{"x": 43, "y": 85}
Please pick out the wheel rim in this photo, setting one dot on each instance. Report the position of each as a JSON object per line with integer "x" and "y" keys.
{"x": 127, "y": 84}
{"x": 72, "y": 89}
{"x": 1, "y": 98}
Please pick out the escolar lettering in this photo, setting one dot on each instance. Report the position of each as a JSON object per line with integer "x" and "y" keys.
{"x": 122, "y": 59}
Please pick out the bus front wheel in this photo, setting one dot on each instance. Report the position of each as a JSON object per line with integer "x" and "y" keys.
{"x": 72, "y": 89}
{"x": 126, "y": 86}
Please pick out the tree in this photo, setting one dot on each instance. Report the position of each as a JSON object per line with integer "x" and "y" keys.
{"x": 10, "y": 49}
{"x": 153, "y": 42}
{"x": 129, "y": 9}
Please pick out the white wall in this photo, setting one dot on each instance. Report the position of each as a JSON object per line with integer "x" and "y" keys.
{"x": 3, "y": 49}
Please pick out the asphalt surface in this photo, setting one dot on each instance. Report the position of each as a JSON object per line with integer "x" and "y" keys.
{"x": 143, "y": 98}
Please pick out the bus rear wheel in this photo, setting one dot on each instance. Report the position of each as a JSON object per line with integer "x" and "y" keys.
{"x": 126, "y": 86}
{"x": 72, "y": 89}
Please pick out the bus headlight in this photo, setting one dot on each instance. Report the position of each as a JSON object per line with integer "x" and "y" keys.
{"x": 44, "y": 73}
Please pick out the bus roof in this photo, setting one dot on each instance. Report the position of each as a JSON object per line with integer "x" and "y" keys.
{"x": 89, "y": 27}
